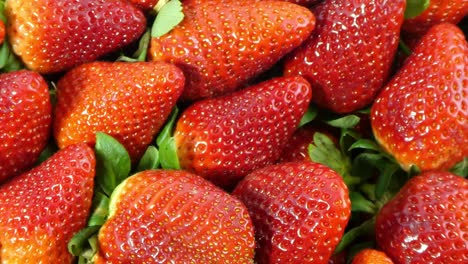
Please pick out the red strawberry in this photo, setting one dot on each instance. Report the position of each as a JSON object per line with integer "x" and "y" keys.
{"x": 145, "y": 5}
{"x": 299, "y": 211}
{"x": 371, "y": 256}
{"x": 40, "y": 210}
{"x": 2, "y": 32}
{"x": 173, "y": 216}
{"x": 426, "y": 222}
{"x": 225, "y": 138}
{"x": 439, "y": 11}
{"x": 348, "y": 57}
{"x": 55, "y": 35}
{"x": 129, "y": 101}
{"x": 25, "y": 120}
{"x": 420, "y": 117}
{"x": 220, "y": 45}
{"x": 297, "y": 147}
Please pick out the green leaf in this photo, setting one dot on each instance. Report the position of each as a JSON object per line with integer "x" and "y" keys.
{"x": 383, "y": 182}
{"x": 360, "y": 204}
{"x": 347, "y": 138}
{"x": 366, "y": 228}
{"x": 348, "y": 121}
{"x": 415, "y": 7}
{"x": 365, "y": 165}
{"x": 414, "y": 170}
{"x": 324, "y": 151}
{"x": 168, "y": 157}
{"x": 166, "y": 143}
{"x": 100, "y": 209}
{"x": 365, "y": 144}
{"x": 461, "y": 168}
{"x": 113, "y": 162}
{"x": 141, "y": 52}
{"x": 166, "y": 132}
{"x": 365, "y": 111}
{"x": 78, "y": 243}
{"x": 309, "y": 115}
{"x": 169, "y": 16}
{"x": 8, "y": 60}
{"x": 150, "y": 159}
{"x": 2, "y": 12}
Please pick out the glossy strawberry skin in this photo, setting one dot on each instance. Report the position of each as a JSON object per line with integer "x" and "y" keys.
{"x": 25, "y": 120}
{"x": 420, "y": 116}
{"x": 225, "y": 138}
{"x": 40, "y": 210}
{"x": 129, "y": 101}
{"x": 439, "y": 11}
{"x": 299, "y": 211}
{"x": 371, "y": 256}
{"x": 175, "y": 216}
{"x": 2, "y": 32}
{"x": 145, "y": 5}
{"x": 55, "y": 35}
{"x": 426, "y": 221}
{"x": 221, "y": 45}
{"x": 347, "y": 58}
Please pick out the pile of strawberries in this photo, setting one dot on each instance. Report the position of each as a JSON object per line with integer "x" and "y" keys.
{"x": 313, "y": 131}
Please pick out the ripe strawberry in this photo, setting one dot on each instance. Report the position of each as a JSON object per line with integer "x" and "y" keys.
{"x": 371, "y": 256}
{"x": 426, "y": 222}
{"x": 2, "y": 32}
{"x": 225, "y": 138}
{"x": 348, "y": 57}
{"x": 439, "y": 11}
{"x": 420, "y": 116}
{"x": 145, "y": 5}
{"x": 25, "y": 120}
{"x": 221, "y": 45}
{"x": 55, "y": 35}
{"x": 299, "y": 211}
{"x": 174, "y": 216}
{"x": 297, "y": 147}
{"x": 129, "y": 101}
{"x": 40, "y": 210}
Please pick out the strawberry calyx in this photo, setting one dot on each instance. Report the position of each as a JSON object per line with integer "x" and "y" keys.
{"x": 376, "y": 177}
{"x": 168, "y": 15}
{"x": 141, "y": 52}
{"x": 113, "y": 168}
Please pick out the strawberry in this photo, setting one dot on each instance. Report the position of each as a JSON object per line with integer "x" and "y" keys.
{"x": 348, "y": 57}
{"x": 145, "y": 5}
{"x": 371, "y": 256}
{"x": 129, "y": 101}
{"x": 299, "y": 211}
{"x": 174, "y": 216}
{"x": 225, "y": 138}
{"x": 40, "y": 210}
{"x": 2, "y": 32}
{"x": 55, "y": 35}
{"x": 25, "y": 120}
{"x": 297, "y": 147}
{"x": 426, "y": 222}
{"x": 221, "y": 45}
{"x": 438, "y": 11}
{"x": 420, "y": 116}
